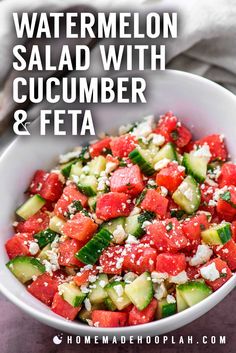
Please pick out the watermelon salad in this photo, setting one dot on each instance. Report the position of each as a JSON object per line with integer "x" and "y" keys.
{"x": 131, "y": 228}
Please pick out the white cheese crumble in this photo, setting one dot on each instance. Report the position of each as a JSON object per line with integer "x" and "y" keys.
{"x": 119, "y": 234}
{"x": 157, "y": 139}
{"x": 210, "y": 272}
{"x": 161, "y": 164}
{"x": 202, "y": 255}
{"x": 131, "y": 240}
{"x": 64, "y": 158}
{"x": 87, "y": 304}
{"x": 144, "y": 128}
{"x": 160, "y": 291}
{"x": 110, "y": 166}
{"x": 33, "y": 248}
{"x": 158, "y": 277}
{"x": 135, "y": 211}
{"x": 164, "y": 191}
{"x": 170, "y": 299}
{"x": 203, "y": 152}
{"x": 179, "y": 278}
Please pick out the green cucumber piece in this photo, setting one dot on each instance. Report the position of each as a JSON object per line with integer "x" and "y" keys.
{"x": 45, "y": 237}
{"x": 188, "y": 195}
{"x": 195, "y": 166}
{"x": 92, "y": 202}
{"x": 140, "y": 291}
{"x": 194, "y": 292}
{"x": 56, "y": 224}
{"x": 181, "y": 303}
{"x": 168, "y": 151}
{"x": 43, "y": 255}
{"x": 76, "y": 171}
{"x": 98, "y": 293}
{"x": 133, "y": 224}
{"x": 109, "y": 305}
{"x": 72, "y": 294}
{"x": 165, "y": 309}
{"x": 217, "y": 235}
{"x": 65, "y": 169}
{"x": 30, "y": 207}
{"x": 88, "y": 185}
{"x": 90, "y": 253}
{"x": 142, "y": 158}
{"x": 97, "y": 165}
{"x": 24, "y": 268}
{"x": 113, "y": 223}
{"x": 85, "y": 314}
{"x": 116, "y": 292}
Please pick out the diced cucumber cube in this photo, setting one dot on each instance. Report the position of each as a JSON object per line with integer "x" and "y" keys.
{"x": 188, "y": 195}
{"x": 217, "y": 235}
{"x": 168, "y": 151}
{"x": 116, "y": 291}
{"x": 45, "y": 237}
{"x": 193, "y": 292}
{"x": 165, "y": 309}
{"x": 195, "y": 166}
{"x": 181, "y": 303}
{"x": 140, "y": 291}
{"x": 98, "y": 293}
{"x": 71, "y": 293}
{"x": 30, "y": 207}
{"x": 76, "y": 171}
{"x": 25, "y": 268}
{"x": 142, "y": 158}
{"x": 56, "y": 224}
{"x": 97, "y": 165}
{"x": 88, "y": 185}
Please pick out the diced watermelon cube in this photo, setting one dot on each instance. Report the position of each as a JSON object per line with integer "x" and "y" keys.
{"x": 192, "y": 227}
{"x": 80, "y": 227}
{"x": 139, "y": 258}
{"x": 112, "y": 205}
{"x": 227, "y": 252}
{"x": 227, "y": 209}
{"x": 18, "y": 245}
{"x": 63, "y": 308}
{"x": 172, "y": 264}
{"x": 224, "y": 273}
{"x": 138, "y": 317}
{"x": 82, "y": 277}
{"x": 52, "y": 188}
{"x": 70, "y": 194}
{"x": 170, "y": 177}
{"x": 123, "y": 145}
{"x": 103, "y": 318}
{"x": 37, "y": 182}
{"x": 227, "y": 175}
{"x": 216, "y": 145}
{"x": 34, "y": 224}
{"x": 155, "y": 202}
{"x": 44, "y": 288}
{"x": 110, "y": 260}
{"x": 67, "y": 250}
{"x": 128, "y": 180}
{"x": 167, "y": 235}
{"x": 100, "y": 147}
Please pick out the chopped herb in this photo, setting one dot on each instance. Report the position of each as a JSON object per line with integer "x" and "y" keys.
{"x": 174, "y": 135}
{"x": 169, "y": 226}
{"x": 141, "y": 197}
{"x": 202, "y": 227}
{"x": 74, "y": 208}
{"x": 222, "y": 275}
{"x": 177, "y": 214}
{"x": 226, "y": 196}
{"x": 146, "y": 216}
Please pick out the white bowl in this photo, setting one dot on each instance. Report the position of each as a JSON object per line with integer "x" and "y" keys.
{"x": 201, "y": 104}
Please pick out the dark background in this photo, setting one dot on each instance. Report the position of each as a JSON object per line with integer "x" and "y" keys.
{"x": 20, "y": 333}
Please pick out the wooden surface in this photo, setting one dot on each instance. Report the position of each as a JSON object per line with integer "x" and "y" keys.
{"x": 20, "y": 333}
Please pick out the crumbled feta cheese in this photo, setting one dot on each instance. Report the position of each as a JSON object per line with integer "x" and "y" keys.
{"x": 161, "y": 164}
{"x": 84, "y": 289}
{"x": 160, "y": 291}
{"x": 102, "y": 283}
{"x": 157, "y": 139}
{"x": 202, "y": 255}
{"x": 64, "y": 158}
{"x": 119, "y": 290}
{"x": 164, "y": 191}
{"x": 144, "y": 128}
{"x": 179, "y": 278}
{"x": 87, "y": 304}
{"x": 123, "y": 129}
{"x": 110, "y": 166}
{"x": 170, "y": 299}
{"x": 210, "y": 272}
{"x": 135, "y": 211}
{"x": 103, "y": 181}
{"x": 33, "y": 248}
{"x": 203, "y": 152}
{"x": 119, "y": 234}
{"x": 131, "y": 240}
{"x": 145, "y": 224}
{"x": 158, "y": 277}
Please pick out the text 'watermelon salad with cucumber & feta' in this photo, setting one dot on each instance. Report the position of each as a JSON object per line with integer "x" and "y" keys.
{"x": 131, "y": 228}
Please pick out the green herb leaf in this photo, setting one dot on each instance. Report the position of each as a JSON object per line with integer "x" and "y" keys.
{"x": 226, "y": 196}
